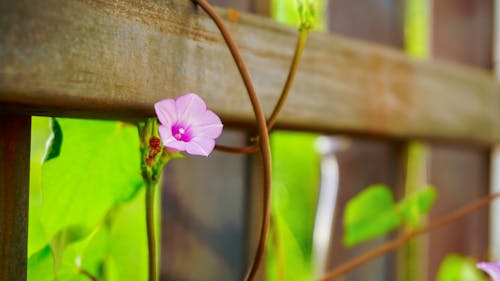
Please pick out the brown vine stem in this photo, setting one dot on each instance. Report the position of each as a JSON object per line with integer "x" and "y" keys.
{"x": 88, "y": 274}
{"x": 299, "y": 49}
{"x": 238, "y": 150}
{"x": 271, "y": 121}
{"x": 458, "y": 214}
{"x": 265, "y": 149}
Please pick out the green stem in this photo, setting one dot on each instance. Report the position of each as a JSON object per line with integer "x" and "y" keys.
{"x": 299, "y": 48}
{"x": 150, "y": 225}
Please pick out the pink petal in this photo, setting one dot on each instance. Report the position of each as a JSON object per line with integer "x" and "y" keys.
{"x": 200, "y": 146}
{"x": 493, "y": 269}
{"x": 209, "y": 126}
{"x": 166, "y": 111}
{"x": 208, "y": 131}
{"x": 169, "y": 141}
{"x": 190, "y": 107}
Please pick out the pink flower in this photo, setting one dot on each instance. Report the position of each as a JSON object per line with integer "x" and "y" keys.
{"x": 492, "y": 268}
{"x": 187, "y": 125}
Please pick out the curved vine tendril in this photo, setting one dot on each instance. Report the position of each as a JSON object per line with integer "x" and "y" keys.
{"x": 264, "y": 145}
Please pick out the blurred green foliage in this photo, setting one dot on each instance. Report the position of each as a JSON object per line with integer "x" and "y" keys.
{"x": 373, "y": 212}
{"x": 459, "y": 268}
{"x": 298, "y": 12}
{"x": 294, "y": 199}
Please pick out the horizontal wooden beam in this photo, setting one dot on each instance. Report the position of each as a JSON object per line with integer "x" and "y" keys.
{"x": 114, "y": 59}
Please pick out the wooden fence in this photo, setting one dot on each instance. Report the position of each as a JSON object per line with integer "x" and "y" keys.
{"x": 113, "y": 59}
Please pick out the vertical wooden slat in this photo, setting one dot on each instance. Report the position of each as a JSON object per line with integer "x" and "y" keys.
{"x": 460, "y": 176}
{"x": 366, "y": 162}
{"x": 14, "y": 193}
{"x": 495, "y": 154}
{"x": 463, "y": 31}
{"x": 254, "y": 206}
{"x": 203, "y": 209}
{"x": 376, "y": 20}
{"x": 262, "y": 7}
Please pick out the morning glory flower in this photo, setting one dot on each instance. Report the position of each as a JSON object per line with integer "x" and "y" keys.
{"x": 492, "y": 268}
{"x": 187, "y": 125}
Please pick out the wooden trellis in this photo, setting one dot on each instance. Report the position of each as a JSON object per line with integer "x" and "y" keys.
{"x": 114, "y": 59}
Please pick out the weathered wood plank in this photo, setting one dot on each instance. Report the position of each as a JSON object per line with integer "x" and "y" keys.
{"x": 14, "y": 192}
{"x": 114, "y": 59}
{"x": 204, "y": 217}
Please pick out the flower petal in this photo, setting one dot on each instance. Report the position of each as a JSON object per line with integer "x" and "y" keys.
{"x": 166, "y": 111}
{"x": 208, "y": 131}
{"x": 492, "y": 268}
{"x": 169, "y": 141}
{"x": 210, "y": 126}
{"x": 200, "y": 146}
{"x": 190, "y": 107}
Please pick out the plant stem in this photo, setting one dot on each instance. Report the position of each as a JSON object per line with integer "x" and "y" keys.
{"x": 150, "y": 226}
{"x": 472, "y": 207}
{"x": 271, "y": 121}
{"x": 265, "y": 148}
{"x": 299, "y": 48}
{"x": 88, "y": 274}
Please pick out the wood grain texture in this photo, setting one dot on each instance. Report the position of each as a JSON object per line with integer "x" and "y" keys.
{"x": 14, "y": 193}
{"x": 114, "y": 59}
{"x": 203, "y": 216}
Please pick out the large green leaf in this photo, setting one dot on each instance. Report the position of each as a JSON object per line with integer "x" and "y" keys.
{"x": 370, "y": 214}
{"x": 127, "y": 256}
{"x": 41, "y": 265}
{"x": 40, "y": 133}
{"x": 98, "y": 168}
{"x": 459, "y": 268}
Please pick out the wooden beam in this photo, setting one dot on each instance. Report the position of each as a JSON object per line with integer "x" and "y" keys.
{"x": 114, "y": 59}
{"x": 14, "y": 193}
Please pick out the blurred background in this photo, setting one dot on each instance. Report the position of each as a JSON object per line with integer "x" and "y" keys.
{"x": 199, "y": 247}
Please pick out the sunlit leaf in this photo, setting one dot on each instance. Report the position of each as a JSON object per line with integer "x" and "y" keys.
{"x": 127, "y": 256}
{"x": 98, "y": 168}
{"x": 40, "y": 133}
{"x": 459, "y": 268}
{"x": 369, "y": 214}
{"x": 41, "y": 265}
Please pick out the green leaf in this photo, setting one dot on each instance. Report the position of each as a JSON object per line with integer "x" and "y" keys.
{"x": 41, "y": 265}
{"x": 127, "y": 256}
{"x": 98, "y": 168}
{"x": 369, "y": 214}
{"x": 459, "y": 268}
{"x": 417, "y": 205}
{"x": 40, "y": 133}
{"x": 55, "y": 141}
